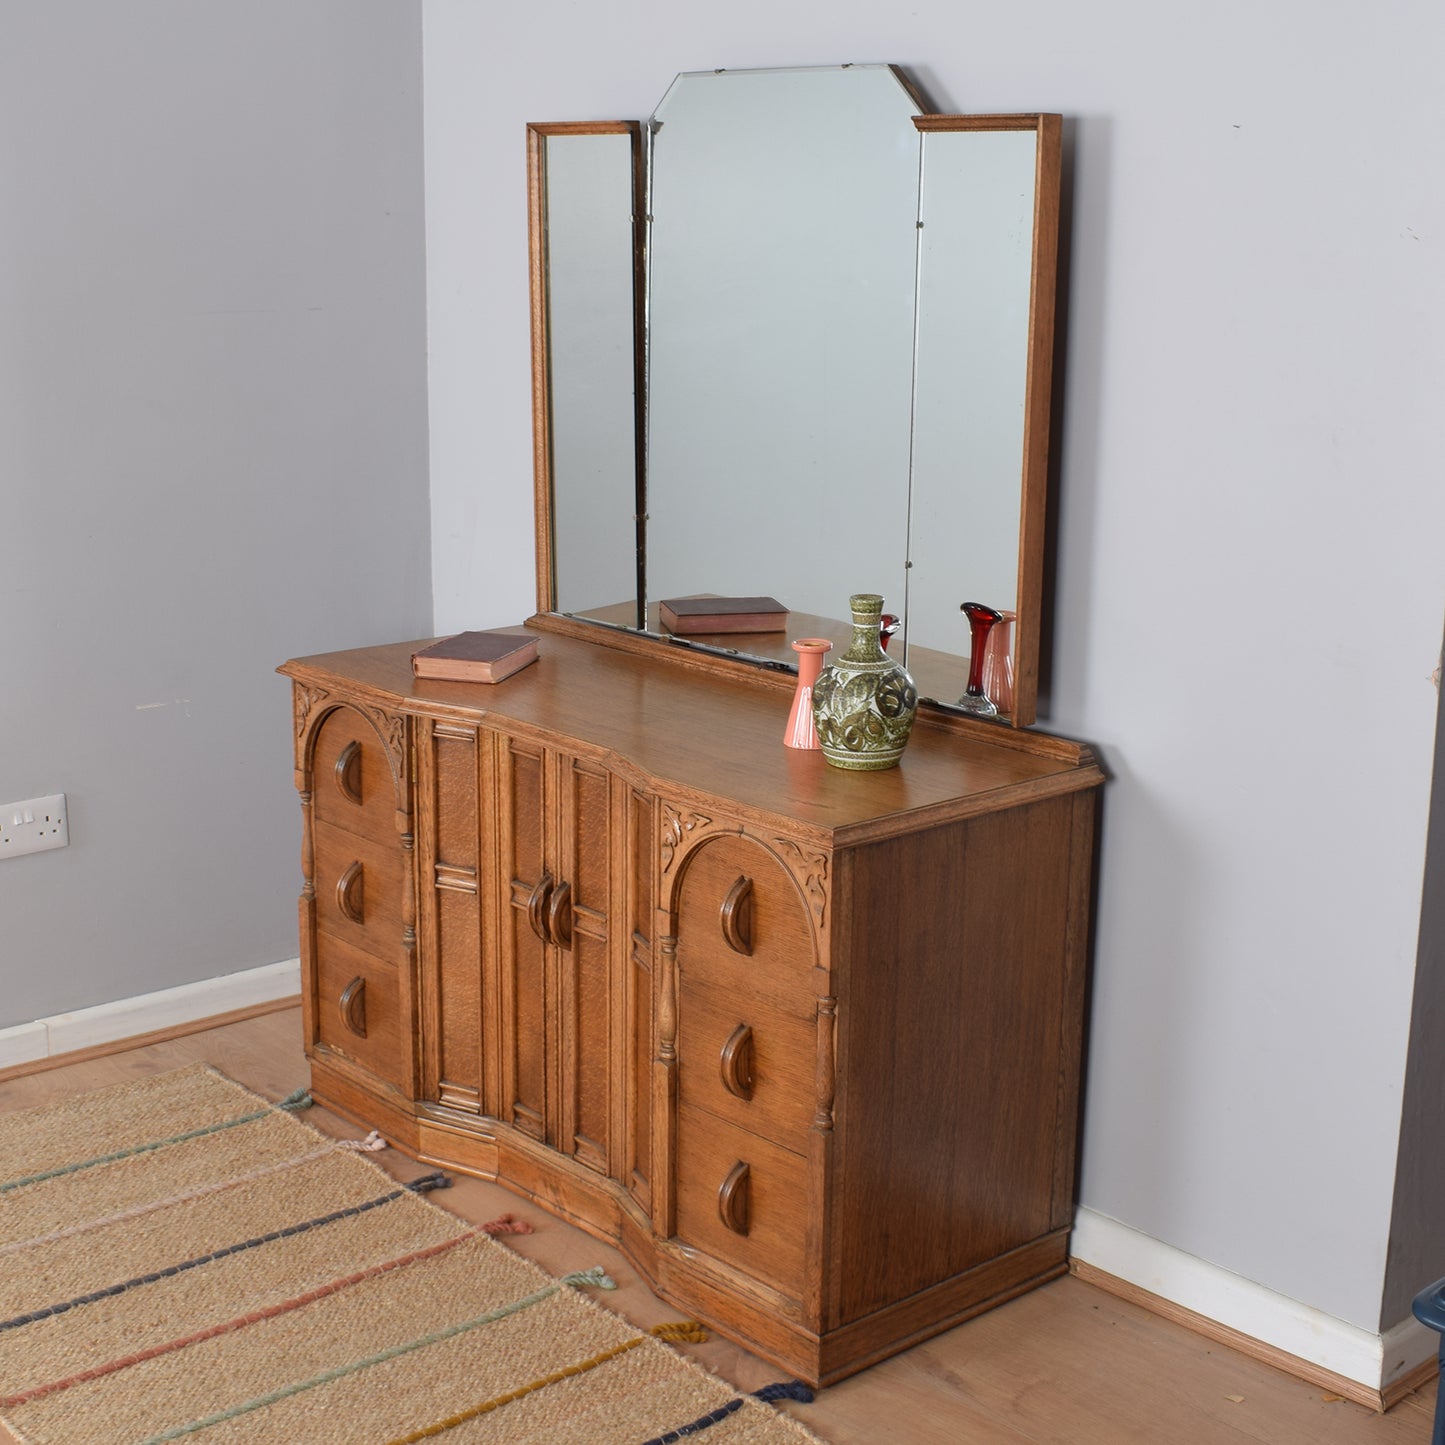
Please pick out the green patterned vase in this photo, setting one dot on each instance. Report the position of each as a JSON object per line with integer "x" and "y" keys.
{"x": 863, "y": 704}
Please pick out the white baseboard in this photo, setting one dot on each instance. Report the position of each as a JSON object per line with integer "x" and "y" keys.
{"x": 23, "y": 1044}
{"x": 1373, "y": 1360}
{"x": 168, "y": 1008}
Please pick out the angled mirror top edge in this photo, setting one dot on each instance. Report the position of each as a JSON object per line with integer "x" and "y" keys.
{"x": 780, "y": 311}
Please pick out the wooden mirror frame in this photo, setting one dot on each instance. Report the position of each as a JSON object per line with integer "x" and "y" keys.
{"x": 775, "y": 657}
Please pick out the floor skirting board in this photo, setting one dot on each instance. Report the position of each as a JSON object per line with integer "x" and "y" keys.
{"x": 1371, "y": 1369}
{"x": 166, "y": 1013}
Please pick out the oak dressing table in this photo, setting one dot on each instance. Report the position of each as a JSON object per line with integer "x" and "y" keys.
{"x": 804, "y": 1043}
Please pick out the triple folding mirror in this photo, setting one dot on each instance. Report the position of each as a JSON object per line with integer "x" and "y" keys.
{"x": 793, "y": 338}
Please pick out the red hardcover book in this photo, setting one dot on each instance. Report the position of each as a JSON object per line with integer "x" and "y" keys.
{"x": 687, "y": 615}
{"x": 475, "y": 657}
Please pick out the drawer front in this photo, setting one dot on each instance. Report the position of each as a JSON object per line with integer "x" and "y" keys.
{"x": 352, "y": 786}
{"x": 743, "y": 927}
{"x": 753, "y": 1066}
{"x": 358, "y": 886}
{"x": 358, "y": 1008}
{"x": 742, "y": 1200}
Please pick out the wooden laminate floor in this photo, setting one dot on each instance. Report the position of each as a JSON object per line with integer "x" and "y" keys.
{"x": 1066, "y": 1363}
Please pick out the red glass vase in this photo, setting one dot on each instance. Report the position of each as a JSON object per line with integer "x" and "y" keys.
{"x": 981, "y": 620}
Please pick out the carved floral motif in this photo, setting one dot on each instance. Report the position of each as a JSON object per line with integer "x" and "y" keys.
{"x": 303, "y": 701}
{"x": 811, "y": 871}
{"x": 392, "y": 727}
{"x": 676, "y": 825}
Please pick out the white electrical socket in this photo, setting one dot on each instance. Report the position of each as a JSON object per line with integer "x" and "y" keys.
{"x": 33, "y": 826}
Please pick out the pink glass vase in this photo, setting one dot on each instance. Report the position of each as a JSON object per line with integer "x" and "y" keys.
{"x": 801, "y": 733}
{"x": 998, "y": 663}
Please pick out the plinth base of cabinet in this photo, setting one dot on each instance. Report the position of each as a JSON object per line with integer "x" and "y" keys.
{"x": 349, "y": 1091}
{"x": 766, "y": 1322}
{"x": 887, "y": 1332}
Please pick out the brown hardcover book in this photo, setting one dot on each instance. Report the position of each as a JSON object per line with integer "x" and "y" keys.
{"x": 475, "y": 657}
{"x": 723, "y": 614}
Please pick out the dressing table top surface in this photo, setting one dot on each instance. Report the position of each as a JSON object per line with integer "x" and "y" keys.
{"x": 701, "y": 734}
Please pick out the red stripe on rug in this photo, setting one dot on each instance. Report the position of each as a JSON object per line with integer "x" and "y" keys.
{"x": 96, "y": 1372}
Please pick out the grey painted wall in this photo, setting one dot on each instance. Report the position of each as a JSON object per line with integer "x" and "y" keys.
{"x": 1251, "y": 431}
{"x": 213, "y": 454}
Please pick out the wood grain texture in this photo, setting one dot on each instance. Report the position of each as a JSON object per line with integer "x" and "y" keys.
{"x": 805, "y": 1041}
{"x": 449, "y": 789}
{"x": 588, "y": 974}
{"x": 950, "y": 1003}
{"x": 653, "y": 719}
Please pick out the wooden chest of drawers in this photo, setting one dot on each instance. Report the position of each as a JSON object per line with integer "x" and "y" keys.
{"x": 805, "y": 1044}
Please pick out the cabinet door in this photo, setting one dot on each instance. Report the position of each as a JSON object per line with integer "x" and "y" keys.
{"x": 528, "y": 1004}
{"x": 577, "y": 924}
{"x": 555, "y": 847}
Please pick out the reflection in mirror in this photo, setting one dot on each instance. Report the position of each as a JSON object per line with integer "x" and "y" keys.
{"x": 849, "y": 348}
{"x": 973, "y": 286}
{"x": 583, "y": 180}
{"x": 987, "y": 242}
{"x": 780, "y": 297}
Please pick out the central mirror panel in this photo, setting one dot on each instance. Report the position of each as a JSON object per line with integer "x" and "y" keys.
{"x": 798, "y": 343}
{"x": 782, "y": 258}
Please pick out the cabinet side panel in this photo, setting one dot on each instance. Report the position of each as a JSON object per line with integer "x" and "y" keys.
{"x": 951, "y": 1014}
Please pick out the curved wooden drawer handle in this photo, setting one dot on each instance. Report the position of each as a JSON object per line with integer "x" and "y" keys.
{"x": 537, "y": 907}
{"x": 736, "y": 1062}
{"x": 732, "y": 1199}
{"x": 353, "y": 1007}
{"x": 737, "y": 917}
{"x": 351, "y": 894}
{"x": 559, "y": 916}
{"x": 348, "y": 772}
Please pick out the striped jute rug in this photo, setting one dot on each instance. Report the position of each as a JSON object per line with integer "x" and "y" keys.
{"x": 180, "y": 1259}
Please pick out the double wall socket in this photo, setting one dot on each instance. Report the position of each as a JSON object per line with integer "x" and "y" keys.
{"x": 33, "y": 826}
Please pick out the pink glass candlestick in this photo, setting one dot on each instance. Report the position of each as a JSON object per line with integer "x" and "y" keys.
{"x": 801, "y": 732}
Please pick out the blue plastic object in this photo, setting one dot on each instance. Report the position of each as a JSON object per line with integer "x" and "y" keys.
{"x": 1429, "y": 1309}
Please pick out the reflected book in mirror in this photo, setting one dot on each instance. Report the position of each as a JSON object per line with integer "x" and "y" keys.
{"x": 692, "y": 615}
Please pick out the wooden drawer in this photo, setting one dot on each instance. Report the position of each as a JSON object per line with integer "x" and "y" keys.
{"x": 742, "y": 1199}
{"x": 358, "y": 889}
{"x": 750, "y": 1065}
{"x": 352, "y": 785}
{"x": 358, "y": 1008}
{"x": 743, "y": 927}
